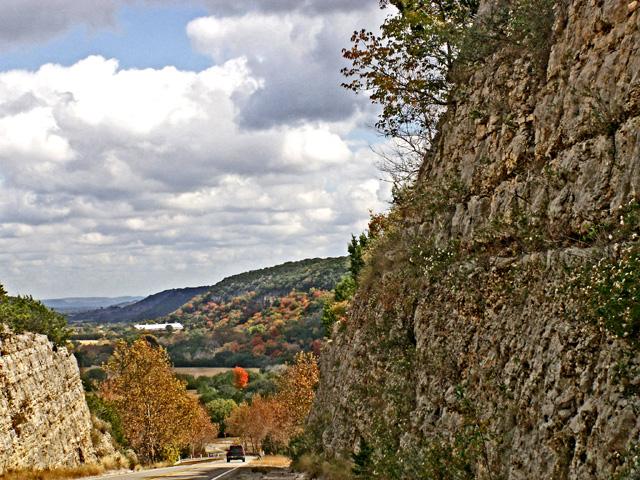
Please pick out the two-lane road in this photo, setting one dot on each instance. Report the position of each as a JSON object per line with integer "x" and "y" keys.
{"x": 206, "y": 470}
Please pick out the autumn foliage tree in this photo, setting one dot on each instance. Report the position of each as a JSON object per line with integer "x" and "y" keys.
{"x": 407, "y": 69}
{"x": 297, "y": 388}
{"x": 241, "y": 378}
{"x": 158, "y": 418}
{"x": 282, "y": 416}
{"x": 254, "y": 422}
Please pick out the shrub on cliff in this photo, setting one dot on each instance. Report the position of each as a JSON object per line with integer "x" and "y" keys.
{"x": 22, "y": 314}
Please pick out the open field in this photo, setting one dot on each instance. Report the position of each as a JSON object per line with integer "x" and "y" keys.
{"x": 207, "y": 371}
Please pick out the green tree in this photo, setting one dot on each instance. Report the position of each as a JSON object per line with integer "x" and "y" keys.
{"x": 219, "y": 411}
{"x": 335, "y": 309}
{"x": 23, "y": 313}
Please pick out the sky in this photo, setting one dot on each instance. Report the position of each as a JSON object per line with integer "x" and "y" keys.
{"x": 148, "y": 145}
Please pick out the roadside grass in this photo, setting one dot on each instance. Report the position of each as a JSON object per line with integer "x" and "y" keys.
{"x": 279, "y": 461}
{"x": 55, "y": 474}
{"x": 317, "y": 467}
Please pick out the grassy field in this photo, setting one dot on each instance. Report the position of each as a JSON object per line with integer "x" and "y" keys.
{"x": 206, "y": 371}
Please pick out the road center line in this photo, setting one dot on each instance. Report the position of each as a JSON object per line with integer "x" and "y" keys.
{"x": 223, "y": 474}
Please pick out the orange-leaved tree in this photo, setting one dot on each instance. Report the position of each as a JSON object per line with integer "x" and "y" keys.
{"x": 241, "y": 378}
{"x": 158, "y": 417}
{"x": 282, "y": 416}
{"x": 254, "y": 422}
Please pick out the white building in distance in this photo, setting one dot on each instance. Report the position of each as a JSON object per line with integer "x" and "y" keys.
{"x": 158, "y": 326}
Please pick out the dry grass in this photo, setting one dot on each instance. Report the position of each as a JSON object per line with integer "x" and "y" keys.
{"x": 207, "y": 371}
{"x": 279, "y": 461}
{"x": 317, "y": 467}
{"x": 54, "y": 474}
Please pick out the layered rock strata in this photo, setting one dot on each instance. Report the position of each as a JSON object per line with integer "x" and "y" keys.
{"x": 44, "y": 418}
{"x": 464, "y": 335}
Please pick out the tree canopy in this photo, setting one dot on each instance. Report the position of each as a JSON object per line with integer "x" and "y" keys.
{"x": 158, "y": 417}
{"x": 407, "y": 69}
{"x": 23, "y": 313}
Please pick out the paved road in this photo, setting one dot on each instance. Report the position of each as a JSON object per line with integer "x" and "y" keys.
{"x": 208, "y": 470}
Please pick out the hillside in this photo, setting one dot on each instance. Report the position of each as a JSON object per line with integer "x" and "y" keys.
{"x": 278, "y": 281}
{"x": 256, "y": 318}
{"x": 151, "y": 307}
{"x": 495, "y": 330}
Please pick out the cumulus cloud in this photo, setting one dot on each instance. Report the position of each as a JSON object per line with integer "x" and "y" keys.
{"x": 296, "y": 56}
{"x": 120, "y": 181}
{"x": 230, "y": 7}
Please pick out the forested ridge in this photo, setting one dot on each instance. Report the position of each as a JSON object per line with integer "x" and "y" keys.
{"x": 256, "y": 318}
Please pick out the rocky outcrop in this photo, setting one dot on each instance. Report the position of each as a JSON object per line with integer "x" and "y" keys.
{"x": 465, "y": 346}
{"x": 44, "y": 418}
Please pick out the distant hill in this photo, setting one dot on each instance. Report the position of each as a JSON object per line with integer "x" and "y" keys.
{"x": 275, "y": 282}
{"x": 256, "y": 318}
{"x": 266, "y": 283}
{"x": 87, "y": 303}
{"x": 153, "y": 306}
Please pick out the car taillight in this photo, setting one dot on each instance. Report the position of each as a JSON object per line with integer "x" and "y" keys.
{"x": 243, "y": 451}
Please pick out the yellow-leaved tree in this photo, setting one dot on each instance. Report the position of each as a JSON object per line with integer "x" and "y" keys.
{"x": 158, "y": 418}
{"x": 297, "y": 387}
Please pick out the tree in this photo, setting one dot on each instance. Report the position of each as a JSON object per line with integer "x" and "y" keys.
{"x": 335, "y": 309}
{"x": 158, "y": 417}
{"x": 26, "y": 314}
{"x": 219, "y": 411}
{"x": 241, "y": 378}
{"x": 281, "y": 417}
{"x": 201, "y": 430}
{"x": 254, "y": 422}
{"x": 407, "y": 69}
{"x": 297, "y": 386}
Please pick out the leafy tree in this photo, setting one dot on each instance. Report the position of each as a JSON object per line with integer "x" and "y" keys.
{"x": 158, "y": 417}
{"x": 297, "y": 388}
{"x": 254, "y": 422}
{"x": 219, "y": 411}
{"x": 26, "y": 314}
{"x": 407, "y": 69}
{"x": 241, "y": 378}
{"x": 280, "y": 417}
{"x": 335, "y": 309}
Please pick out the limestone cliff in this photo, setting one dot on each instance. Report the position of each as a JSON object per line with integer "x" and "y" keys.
{"x": 44, "y": 418}
{"x": 468, "y": 346}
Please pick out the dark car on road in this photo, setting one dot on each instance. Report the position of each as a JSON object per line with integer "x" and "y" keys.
{"x": 235, "y": 452}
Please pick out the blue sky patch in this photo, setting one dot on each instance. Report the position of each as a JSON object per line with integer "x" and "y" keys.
{"x": 144, "y": 38}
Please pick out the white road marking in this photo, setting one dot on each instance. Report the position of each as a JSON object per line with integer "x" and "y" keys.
{"x": 223, "y": 474}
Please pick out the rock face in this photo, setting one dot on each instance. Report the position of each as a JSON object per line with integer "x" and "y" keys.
{"x": 465, "y": 346}
{"x": 44, "y": 418}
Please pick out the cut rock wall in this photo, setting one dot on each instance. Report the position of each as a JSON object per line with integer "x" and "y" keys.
{"x": 44, "y": 418}
{"x": 495, "y": 341}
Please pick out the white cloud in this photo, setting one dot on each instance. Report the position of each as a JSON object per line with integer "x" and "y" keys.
{"x": 132, "y": 181}
{"x": 262, "y": 36}
{"x": 296, "y": 56}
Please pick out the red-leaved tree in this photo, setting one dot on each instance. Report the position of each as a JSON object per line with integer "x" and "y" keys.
{"x": 241, "y": 378}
